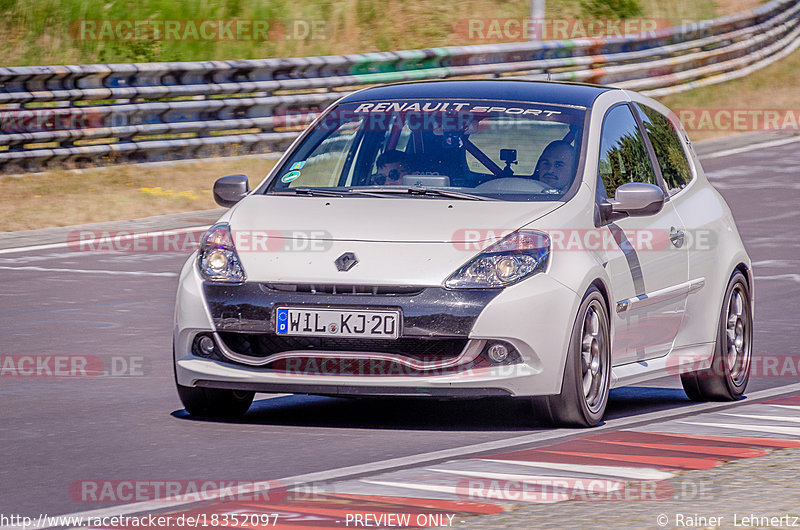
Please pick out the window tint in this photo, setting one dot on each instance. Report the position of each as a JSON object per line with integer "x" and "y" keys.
{"x": 667, "y": 145}
{"x": 623, "y": 156}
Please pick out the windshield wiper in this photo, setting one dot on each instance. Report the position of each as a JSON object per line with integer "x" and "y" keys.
{"x": 378, "y": 192}
{"x": 320, "y": 192}
{"x": 435, "y": 192}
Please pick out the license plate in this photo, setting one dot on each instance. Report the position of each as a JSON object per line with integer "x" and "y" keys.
{"x": 337, "y": 323}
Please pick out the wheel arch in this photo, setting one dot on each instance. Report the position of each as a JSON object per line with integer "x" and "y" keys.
{"x": 601, "y": 286}
{"x": 738, "y": 264}
{"x": 747, "y": 271}
{"x": 704, "y": 307}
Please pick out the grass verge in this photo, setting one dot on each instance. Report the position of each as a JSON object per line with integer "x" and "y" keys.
{"x": 36, "y": 32}
{"x": 69, "y": 197}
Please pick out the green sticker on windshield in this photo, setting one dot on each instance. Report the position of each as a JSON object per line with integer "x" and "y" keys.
{"x": 290, "y": 176}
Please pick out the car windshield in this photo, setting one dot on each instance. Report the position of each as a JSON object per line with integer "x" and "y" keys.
{"x": 456, "y": 149}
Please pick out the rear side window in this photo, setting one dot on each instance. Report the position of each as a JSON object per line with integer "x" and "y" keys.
{"x": 623, "y": 156}
{"x": 667, "y": 145}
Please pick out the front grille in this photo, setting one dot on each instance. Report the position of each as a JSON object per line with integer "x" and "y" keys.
{"x": 342, "y": 289}
{"x": 263, "y": 345}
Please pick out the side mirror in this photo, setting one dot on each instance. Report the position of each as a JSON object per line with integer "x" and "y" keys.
{"x": 230, "y": 190}
{"x": 634, "y": 199}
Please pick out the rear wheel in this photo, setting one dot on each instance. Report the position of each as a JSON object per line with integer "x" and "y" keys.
{"x": 215, "y": 402}
{"x": 726, "y": 378}
{"x": 587, "y": 372}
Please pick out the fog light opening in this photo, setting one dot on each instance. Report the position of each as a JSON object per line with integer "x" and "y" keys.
{"x": 206, "y": 345}
{"x": 497, "y": 353}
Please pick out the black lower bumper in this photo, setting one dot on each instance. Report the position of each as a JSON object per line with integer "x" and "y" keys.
{"x": 342, "y": 390}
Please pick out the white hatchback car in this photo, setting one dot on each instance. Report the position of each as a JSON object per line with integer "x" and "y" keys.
{"x": 468, "y": 239}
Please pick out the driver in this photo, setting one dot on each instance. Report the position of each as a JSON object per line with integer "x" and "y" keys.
{"x": 392, "y": 166}
{"x": 556, "y": 165}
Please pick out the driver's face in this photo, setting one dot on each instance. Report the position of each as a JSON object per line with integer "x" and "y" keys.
{"x": 555, "y": 167}
{"x": 393, "y": 173}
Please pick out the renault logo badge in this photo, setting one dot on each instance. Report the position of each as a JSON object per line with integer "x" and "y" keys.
{"x": 346, "y": 261}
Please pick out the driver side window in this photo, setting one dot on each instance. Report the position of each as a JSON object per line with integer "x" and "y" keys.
{"x": 623, "y": 155}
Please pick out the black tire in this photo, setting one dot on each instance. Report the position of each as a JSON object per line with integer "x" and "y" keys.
{"x": 727, "y": 377}
{"x": 215, "y": 402}
{"x": 580, "y": 404}
{"x": 211, "y": 402}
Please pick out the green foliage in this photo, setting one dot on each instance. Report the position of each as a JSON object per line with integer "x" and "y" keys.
{"x": 611, "y": 8}
{"x": 670, "y": 155}
{"x": 626, "y": 161}
{"x": 130, "y": 52}
{"x": 623, "y": 156}
{"x": 35, "y": 32}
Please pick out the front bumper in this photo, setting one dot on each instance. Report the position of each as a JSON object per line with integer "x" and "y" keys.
{"x": 427, "y": 311}
{"x": 534, "y": 318}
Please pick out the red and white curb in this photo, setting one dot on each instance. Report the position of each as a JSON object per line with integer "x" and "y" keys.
{"x": 642, "y": 462}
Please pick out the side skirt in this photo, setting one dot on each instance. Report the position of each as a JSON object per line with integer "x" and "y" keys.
{"x": 684, "y": 359}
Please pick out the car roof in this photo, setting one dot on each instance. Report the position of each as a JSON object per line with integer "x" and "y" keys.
{"x": 577, "y": 94}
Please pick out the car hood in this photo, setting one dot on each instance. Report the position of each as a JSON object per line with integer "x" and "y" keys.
{"x": 394, "y": 241}
{"x": 401, "y": 220}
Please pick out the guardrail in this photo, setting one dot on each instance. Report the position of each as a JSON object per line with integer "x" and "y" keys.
{"x": 73, "y": 116}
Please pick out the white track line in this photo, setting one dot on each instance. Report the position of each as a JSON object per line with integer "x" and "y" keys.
{"x": 786, "y": 419}
{"x": 643, "y": 473}
{"x": 592, "y": 483}
{"x": 773, "y": 429}
{"x": 33, "y": 248}
{"x": 753, "y": 147}
{"x": 793, "y": 277}
{"x": 455, "y": 490}
{"x": 101, "y": 239}
{"x": 90, "y": 271}
{"x": 790, "y": 407}
{"x": 406, "y": 461}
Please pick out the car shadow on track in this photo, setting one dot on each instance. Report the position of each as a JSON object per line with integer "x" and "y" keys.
{"x": 489, "y": 414}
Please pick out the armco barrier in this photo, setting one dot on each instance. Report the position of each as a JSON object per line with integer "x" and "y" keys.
{"x": 72, "y": 116}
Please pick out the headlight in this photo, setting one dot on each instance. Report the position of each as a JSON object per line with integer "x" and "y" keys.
{"x": 217, "y": 259}
{"x": 514, "y": 258}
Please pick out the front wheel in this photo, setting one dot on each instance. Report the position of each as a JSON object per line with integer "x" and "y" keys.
{"x": 726, "y": 378}
{"x": 215, "y": 402}
{"x": 587, "y": 372}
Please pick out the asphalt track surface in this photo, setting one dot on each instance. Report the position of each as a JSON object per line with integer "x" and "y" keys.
{"x": 118, "y": 307}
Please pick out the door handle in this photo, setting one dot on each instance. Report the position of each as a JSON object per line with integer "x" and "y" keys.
{"x": 676, "y": 236}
